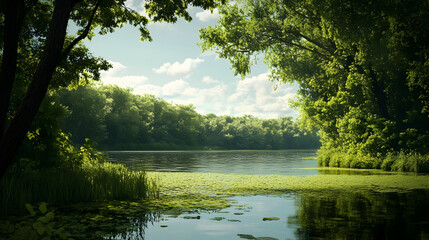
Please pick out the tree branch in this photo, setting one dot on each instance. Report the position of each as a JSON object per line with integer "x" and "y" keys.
{"x": 84, "y": 34}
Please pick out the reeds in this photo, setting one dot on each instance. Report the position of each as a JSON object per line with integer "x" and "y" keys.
{"x": 401, "y": 162}
{"x": 93, "y": 181}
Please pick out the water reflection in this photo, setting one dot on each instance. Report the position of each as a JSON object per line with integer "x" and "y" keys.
{"x": 288, "y": 162}
{"x": 359, "y": 215}
{"x": 110, "y": 220}
{"x": 363, "y": 215}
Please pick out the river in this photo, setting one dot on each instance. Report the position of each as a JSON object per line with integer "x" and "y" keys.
{"x": 361, "y": 215}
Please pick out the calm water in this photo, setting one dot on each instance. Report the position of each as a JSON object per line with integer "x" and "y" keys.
{"x": 362, "y": 215}
{"x": 288, "y": 162}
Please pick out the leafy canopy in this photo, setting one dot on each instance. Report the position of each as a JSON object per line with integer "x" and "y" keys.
{"x": 362, "y": 67}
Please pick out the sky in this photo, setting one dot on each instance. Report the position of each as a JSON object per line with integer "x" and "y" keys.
{"x": 174, "y": 68}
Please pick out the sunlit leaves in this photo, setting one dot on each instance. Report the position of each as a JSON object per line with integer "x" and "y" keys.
{"x": 355, "y": 63}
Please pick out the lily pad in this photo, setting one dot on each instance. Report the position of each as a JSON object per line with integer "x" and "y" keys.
{"x": 238, "y": 213}
{"x": 270, "y": 219}
{"x": 233, "y": 220}
{"x": 192, "y": 217}
{"x": 217, "y": 218}
{"x": 222, "y": 212}
{"x": 246, "y": 236}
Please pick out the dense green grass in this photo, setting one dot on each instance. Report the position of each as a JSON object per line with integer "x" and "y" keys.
{"x": 403, "y": 162}
{"x": 90, "y": 182}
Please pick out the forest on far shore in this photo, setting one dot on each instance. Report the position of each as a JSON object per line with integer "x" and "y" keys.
{"x": 116, "y": 119}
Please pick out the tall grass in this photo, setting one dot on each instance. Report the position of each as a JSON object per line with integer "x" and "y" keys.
{"x": 93, "y": 181}
{"x": 402, "y": 162}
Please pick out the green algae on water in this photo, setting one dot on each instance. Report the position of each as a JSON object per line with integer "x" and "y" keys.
{"x": 206, "y": 185}
{"x": 181, "y": 192}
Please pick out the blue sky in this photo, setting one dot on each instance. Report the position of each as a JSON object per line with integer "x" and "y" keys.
{"x": 173, "y": 67}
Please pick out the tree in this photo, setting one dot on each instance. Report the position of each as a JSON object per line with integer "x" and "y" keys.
{"x": 87, "y": 110}
{"x": 23, "y": 22}
{"x": 361, "y": 67}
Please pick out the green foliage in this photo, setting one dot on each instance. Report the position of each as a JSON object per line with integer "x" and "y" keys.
{"x": 120, "y": 120}
{"x": 361, "y": 68}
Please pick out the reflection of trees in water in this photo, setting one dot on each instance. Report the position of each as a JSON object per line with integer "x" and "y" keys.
{"x": 133, "y": 229}
{"x": 118, "y": 221}
{"x": 364, "y": 215}
{"x": 191, "y": 161}
{"x": 162, "y": 161}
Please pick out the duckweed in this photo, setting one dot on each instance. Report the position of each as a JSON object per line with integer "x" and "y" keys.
{"x": 210, "y": 192}
{"x": 211, "y": 187}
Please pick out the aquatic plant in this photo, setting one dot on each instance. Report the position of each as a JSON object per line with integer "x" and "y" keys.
{"x": 93, "y": 181}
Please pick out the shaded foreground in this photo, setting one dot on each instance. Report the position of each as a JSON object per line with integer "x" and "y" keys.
{"x": 330, "y": 206}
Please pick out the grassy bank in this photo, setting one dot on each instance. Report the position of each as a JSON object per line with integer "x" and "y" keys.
{"x": 402, "y": 162}
{"x": 91, "y": 182}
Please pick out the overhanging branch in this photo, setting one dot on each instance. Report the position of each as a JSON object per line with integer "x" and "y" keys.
{"x": 84, "y": 34}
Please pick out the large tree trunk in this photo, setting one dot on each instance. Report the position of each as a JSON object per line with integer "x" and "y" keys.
{"x": 17, "y": 129}
{"x": 379, "y": 94}
{"x": 13, "y": 20}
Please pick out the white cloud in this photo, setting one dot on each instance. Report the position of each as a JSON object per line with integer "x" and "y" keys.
{"x": 137, "y": 5}
{"x": 209, "y": 80}
{"x": 207, "y": 15}
{"x": 176, "y": 68}
{"x": 148, "y": 89}
{"x": 116, "y": 68}
{"x": 206, "y": 100}
{"x": 125, "y": 81}
{"x": 256, "y": 96}
{"x": 113, "y": 77}
{"x": 175, "y": 88}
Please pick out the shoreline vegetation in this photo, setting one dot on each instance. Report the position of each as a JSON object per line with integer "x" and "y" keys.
{"x": 92, "y": 182}
{"x": 397, "y": 162}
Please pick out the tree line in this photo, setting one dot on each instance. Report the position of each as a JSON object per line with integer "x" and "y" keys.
{"x": 118, "y": 120}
